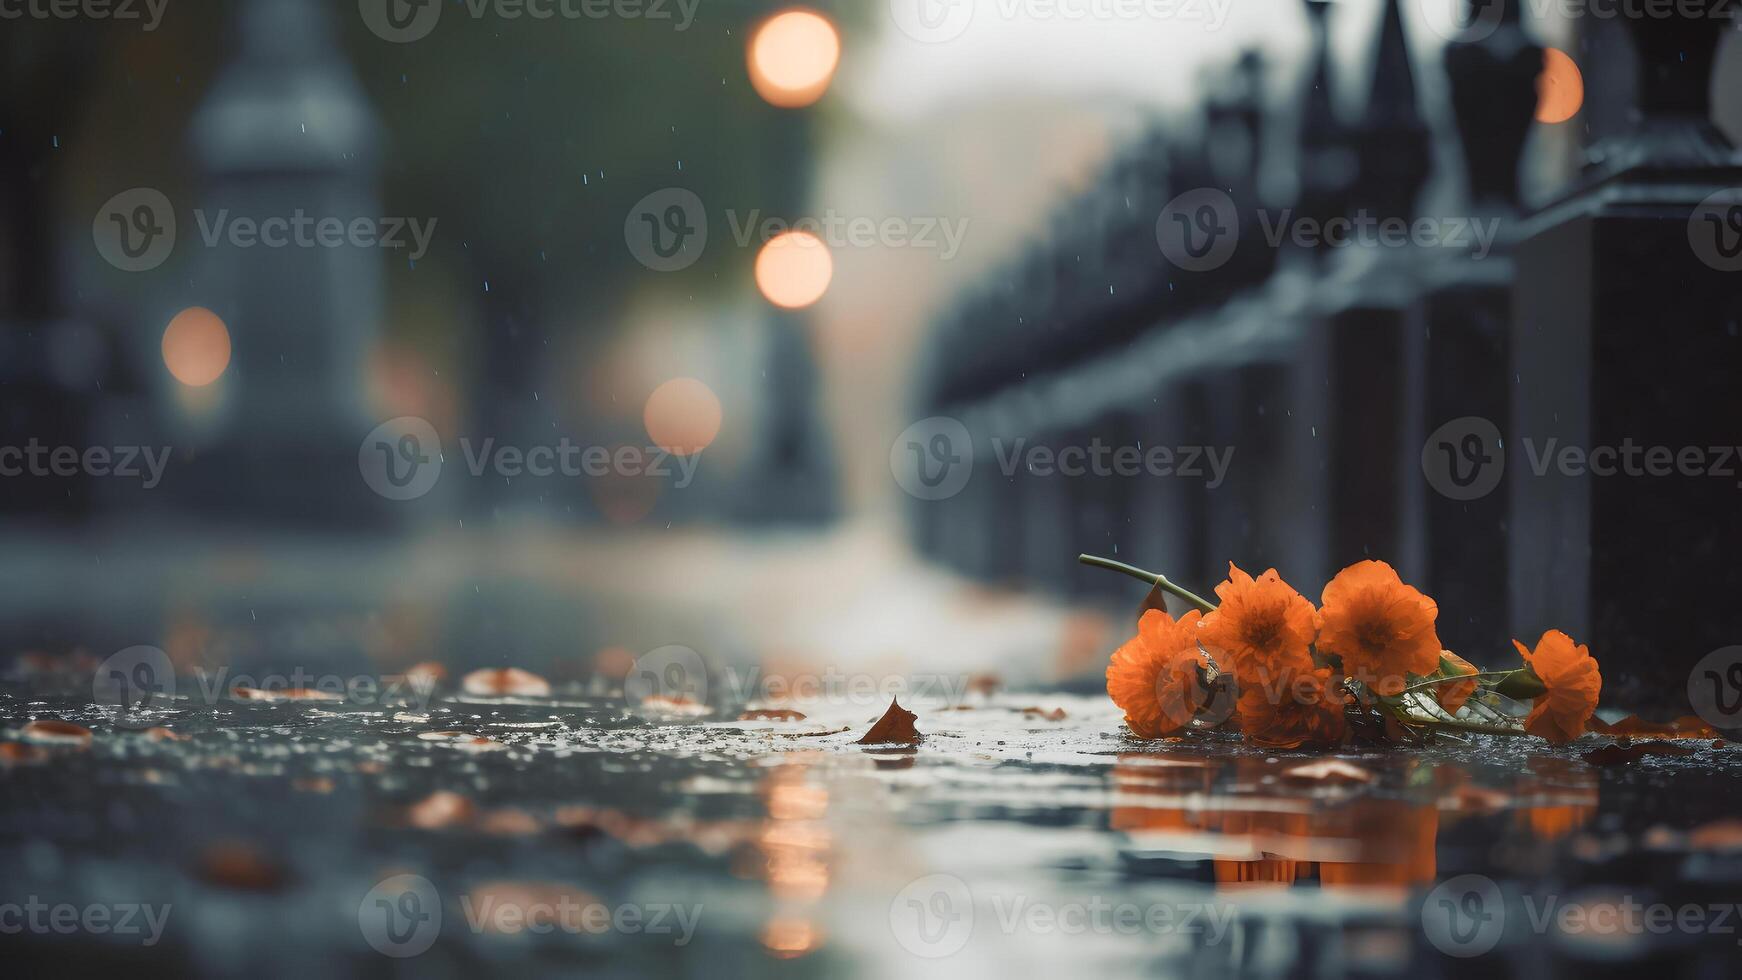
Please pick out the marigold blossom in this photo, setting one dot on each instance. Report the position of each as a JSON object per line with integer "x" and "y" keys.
{"x": 1263, "y": 630}
{"x": 1573, "y": 680}
{"x": 1382, "y": 628}
{"x": 1154, "y": 675}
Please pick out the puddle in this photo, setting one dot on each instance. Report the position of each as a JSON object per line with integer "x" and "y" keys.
{"x": 1043, "y": 837}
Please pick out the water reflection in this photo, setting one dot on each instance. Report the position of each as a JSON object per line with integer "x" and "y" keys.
{"x": 1375, "y": 829}
{"x": 794, "y": 848}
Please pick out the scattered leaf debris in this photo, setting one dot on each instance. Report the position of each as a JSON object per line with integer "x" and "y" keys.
{"x": 53, "y": 731}
{"x": 771, "y": 714}
{"x": 501, "y": 682}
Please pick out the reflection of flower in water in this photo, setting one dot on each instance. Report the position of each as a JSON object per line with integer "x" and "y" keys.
{"x": 1256, "y": 834}
{"x": 1558, "y": 795}
{"x": 794, "y": 846}
{"x": 787, "y": 938}
{"x": 1399, "y": 838}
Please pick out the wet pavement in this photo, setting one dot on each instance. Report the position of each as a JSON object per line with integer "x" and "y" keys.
{"x": 1027, "y": 834}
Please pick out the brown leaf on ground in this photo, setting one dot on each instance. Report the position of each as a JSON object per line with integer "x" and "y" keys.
{"x": 896, "y": 725}
{"x": 286, "y": 694}
{"x": 1056, "y": 714}
{"x": 501, "y": 682}
{"x": 1687, "y": 726}
{"x": 771, "y": 714}
{"x": 1617, "y": 753}
{"x": 53, "y": 731}
{"x": 1328, "y": 771}
{"x": 464, "y": 741}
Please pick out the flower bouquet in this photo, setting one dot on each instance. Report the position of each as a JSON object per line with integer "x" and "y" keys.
{"x": 1365, "y": 664}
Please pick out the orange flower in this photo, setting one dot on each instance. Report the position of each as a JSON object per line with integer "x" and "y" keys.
{"x": 1452, "y": 694}
{"x": 1573, "y": 681}
{"x": 1305, "y": 707}
{"x": 1154, "y": 676}
{"x": 1382, "y": 628}
{"x": 1263, "y": 630}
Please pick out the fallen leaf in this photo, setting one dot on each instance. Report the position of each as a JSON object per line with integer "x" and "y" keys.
{"x": 500, "y": 682}
{"x": 1056, "y": 714}
{"x": 1687, "y": 726}
{"x": 1328, "y": 771}
{"x": 896, "y": 725}
{"x": 771, "y": 714}
{"x": 1617, "y": 753}
{"x": 286, "y": 694}
{"x": 444, "y": 736}
{"x": 440, "y": 809}
{"x": 465, "y": 741}
{"x": 680, "y": 705}
{"x": 53, "y": 731}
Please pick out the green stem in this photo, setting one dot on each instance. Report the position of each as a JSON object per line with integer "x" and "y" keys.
{"x": 1159, "y": 581}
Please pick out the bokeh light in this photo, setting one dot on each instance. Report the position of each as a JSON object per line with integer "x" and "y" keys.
{"x": 196, "y": 347}
{"x": 682, "y": 416}
{"x": 793, "y": 270}
{"x": 793, "y": 57}
{"x": 1560, "y": 89}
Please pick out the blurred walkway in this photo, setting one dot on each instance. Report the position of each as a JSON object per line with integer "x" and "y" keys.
{"x": 549, "y": 599}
